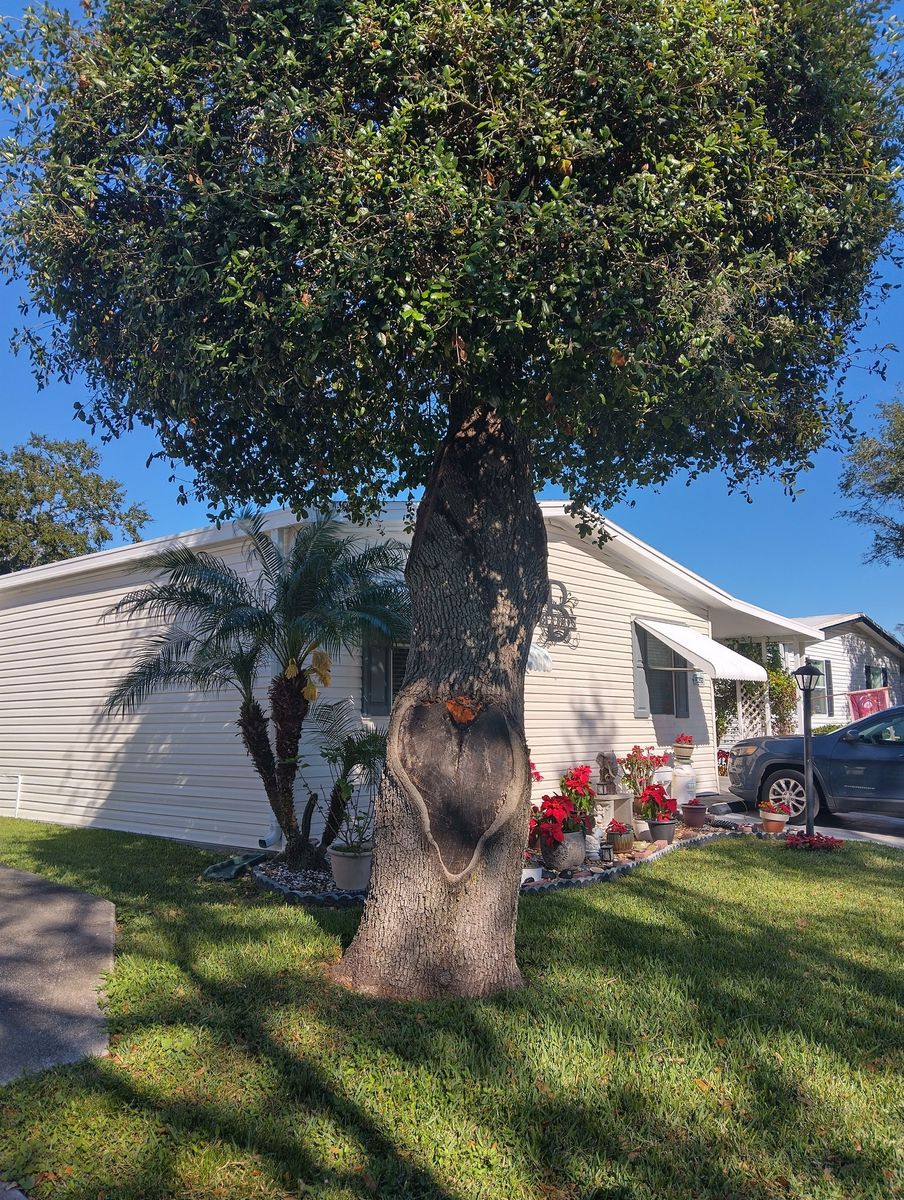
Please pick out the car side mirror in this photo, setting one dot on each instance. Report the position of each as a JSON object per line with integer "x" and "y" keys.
{"x": 850, "y": 737}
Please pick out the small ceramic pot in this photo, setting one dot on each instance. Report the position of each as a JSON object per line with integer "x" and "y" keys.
{"x": 661, "y": 831}
{"x": 694, "y": 815}
{"x": 351, "y": 870}
{"x": 528, "y": 873}
{"x": 682, "y": 753}
{"x": 622, "y": 843}
{"x": 773, "y": 822}
{"x": 567, "y": 855}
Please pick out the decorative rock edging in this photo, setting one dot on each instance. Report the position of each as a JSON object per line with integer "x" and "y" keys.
{"x": 341, "y": 899}
{"x": 332, "y": 899}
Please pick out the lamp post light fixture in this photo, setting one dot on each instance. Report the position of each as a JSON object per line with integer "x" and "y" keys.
{"x": 807, "y": 677}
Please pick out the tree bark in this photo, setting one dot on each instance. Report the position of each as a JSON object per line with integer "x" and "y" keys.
{"x": 288, "y": 709}
{"x": 277, "y": 771}
{"x": 453, "y": 807}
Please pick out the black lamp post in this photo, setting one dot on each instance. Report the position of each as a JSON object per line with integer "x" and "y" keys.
{"x": 807, "y": 677}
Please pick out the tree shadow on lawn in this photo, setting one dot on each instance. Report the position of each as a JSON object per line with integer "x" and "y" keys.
{"x": 604, "y": 1079}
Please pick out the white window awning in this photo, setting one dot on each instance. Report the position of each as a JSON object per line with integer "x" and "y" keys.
{"x": 707, "y": 655}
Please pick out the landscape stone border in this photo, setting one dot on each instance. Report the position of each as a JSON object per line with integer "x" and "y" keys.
{"x": 343, "y": 899}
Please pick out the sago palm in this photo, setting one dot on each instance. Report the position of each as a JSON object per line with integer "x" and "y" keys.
{"x": 288, "y": 618}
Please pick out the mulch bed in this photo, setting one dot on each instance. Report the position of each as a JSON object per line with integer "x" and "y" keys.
{"x": 317, "y": 889}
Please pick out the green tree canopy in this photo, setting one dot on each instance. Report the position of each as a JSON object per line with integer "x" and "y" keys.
{"x": 54, "y": 503}
{"x": 290, "y": 235}
{"x": 354, "y": 247}
{"x": 873, "y": 479}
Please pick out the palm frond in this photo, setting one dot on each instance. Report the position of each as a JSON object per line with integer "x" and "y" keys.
{"x": 263, "y": 549}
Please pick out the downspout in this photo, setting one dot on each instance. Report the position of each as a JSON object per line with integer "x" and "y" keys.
{"x": 273, "y": 838}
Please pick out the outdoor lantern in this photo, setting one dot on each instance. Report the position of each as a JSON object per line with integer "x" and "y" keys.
{"x": 807, "y": 677}
{"x": 606, "y": 853}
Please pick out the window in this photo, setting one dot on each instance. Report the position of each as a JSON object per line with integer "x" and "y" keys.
{"x": 876, "y": 677}
{"x": 882, "y": 731}
{"x": 666, "y": 675}
{"x": 382, "y": 670}
{"x": 823, "y": 699}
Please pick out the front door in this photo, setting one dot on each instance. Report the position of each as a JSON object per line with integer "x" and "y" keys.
{"x": 866, "y": 773}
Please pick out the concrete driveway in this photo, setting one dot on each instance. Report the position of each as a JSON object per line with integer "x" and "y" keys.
{"x": 55, "y": 944}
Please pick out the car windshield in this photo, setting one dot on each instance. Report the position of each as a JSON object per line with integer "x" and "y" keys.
{"x": 882, "y": 729}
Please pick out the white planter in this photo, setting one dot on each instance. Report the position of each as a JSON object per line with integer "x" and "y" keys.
{"x": 682, "y": 753}
{"x": 351, "y": 870}
{"x": 531, "y": 873}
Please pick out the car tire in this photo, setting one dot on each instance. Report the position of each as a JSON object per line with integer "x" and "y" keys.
{"x": 787, "y": 784}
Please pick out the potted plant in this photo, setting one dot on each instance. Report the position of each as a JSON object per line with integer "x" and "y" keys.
{"x": 683, "y": 748}
{"x": 351, "y": 854}
{"x": 532, "y": 867}
{"x": 774, "y": 814}
{"x": 559, "y": 830}
{"x": 658, "y": 809}
{"x": 637, "y": 769}
{"x": 694, "y": 813}
{"x": 620, "y": 836}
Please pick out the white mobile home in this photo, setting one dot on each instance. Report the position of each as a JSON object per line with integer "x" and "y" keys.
{"x": 631, "y": 635}
{"x": 856, "y": 655}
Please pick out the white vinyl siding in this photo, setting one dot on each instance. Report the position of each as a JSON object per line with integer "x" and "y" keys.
{"x": 848, "y": 654}
{"x": 175, "y": 768}
{"x": 589, "y": 702}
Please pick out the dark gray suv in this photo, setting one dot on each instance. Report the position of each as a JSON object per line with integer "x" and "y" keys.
{"x": 860, "y": 767}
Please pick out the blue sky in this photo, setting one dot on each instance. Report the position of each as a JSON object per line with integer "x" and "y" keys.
{"x": 795, "y": 557}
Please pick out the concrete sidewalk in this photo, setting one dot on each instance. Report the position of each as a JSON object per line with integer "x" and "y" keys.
{"x": 55, "y": 944}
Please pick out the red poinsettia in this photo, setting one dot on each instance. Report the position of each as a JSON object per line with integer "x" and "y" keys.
{"x": 552, "y": 819}
{"x": 656, "y": 804}
{"x": 576, "y": 785}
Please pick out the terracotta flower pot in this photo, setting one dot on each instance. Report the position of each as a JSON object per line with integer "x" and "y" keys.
{"x": 773, "y": 822}
{"x": 694, "y": 815}
{"x": 621, "y": 843}
{"x": 567, "y": 855}
{"x": 662, "y": 830}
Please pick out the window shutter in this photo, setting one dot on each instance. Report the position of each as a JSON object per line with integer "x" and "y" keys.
{"x": 830, "y": 694}
{"x": 885, "y": 676}
{"x": 869, "y": 678}
{"x": 399, "y": 665}
{"x": 641, "y": 692}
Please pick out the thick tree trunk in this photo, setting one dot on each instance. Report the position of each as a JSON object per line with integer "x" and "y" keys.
{"x": 453, "y": 808}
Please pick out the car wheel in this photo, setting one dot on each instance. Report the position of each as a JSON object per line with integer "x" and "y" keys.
{"x": 787, "y": 785}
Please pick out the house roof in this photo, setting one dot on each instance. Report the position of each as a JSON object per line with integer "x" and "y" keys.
{"x": 832, "y": 623}
{"x": 730, "y": 617}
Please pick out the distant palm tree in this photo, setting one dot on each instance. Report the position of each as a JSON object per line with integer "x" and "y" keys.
{"x": 327, "y": 593}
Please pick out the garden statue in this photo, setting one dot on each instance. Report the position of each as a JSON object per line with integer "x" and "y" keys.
{"x": 608, "y": 764}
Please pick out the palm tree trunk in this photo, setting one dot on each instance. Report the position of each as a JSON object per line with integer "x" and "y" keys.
{"x": 288, "y": 709}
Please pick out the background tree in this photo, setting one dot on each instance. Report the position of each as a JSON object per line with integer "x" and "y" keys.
{"x": 54, "y": 503}
{"x": 358, "y": 248}
{"x": 289, "y": 622}
{"x": 873, "y": 478}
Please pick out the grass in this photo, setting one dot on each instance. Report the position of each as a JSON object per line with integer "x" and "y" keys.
{"x": 724, "y": 1025}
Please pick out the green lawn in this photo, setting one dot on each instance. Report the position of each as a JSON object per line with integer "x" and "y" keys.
{"x": 726, "y": 1024}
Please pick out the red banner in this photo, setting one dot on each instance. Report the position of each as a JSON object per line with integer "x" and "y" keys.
{"x": 873, "y": 700}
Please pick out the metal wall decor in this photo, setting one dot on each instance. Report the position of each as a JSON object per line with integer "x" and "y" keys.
{"x": 558, "y": 622}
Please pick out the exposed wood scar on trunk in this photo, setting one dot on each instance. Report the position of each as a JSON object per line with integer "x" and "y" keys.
{"x": 459, "y": 764}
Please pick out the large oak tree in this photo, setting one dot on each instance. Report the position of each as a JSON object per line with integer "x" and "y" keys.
{"x": 354, "y": 247}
